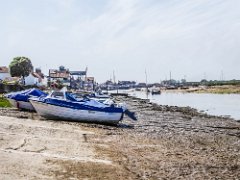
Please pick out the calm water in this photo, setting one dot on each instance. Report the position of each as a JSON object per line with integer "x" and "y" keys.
{"x": 214, "y": 104}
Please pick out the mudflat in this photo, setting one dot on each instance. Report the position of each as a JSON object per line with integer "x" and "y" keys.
{"x": 165, "y": 143}
{"x": 36, "y": 149}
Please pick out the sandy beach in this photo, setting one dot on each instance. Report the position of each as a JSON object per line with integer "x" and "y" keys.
{"x": 165, "y": 143}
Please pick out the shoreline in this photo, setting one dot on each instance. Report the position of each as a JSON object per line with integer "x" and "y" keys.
{"x": 183, "y": 109}
{"x": 224, "y": 89}
{"x": 165, "y": 142}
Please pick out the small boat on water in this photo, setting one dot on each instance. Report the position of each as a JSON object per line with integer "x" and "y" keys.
{"x": 156, "y": 91}
{"x": 63, "y": 105}
{"x": 20, "y": 99}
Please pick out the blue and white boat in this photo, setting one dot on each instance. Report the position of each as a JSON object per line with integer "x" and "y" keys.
{"x": 63, "y": 106}
{"x": 20, "y": 99}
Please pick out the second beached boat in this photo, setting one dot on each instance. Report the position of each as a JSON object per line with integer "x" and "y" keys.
{"x": 20, "y": 99}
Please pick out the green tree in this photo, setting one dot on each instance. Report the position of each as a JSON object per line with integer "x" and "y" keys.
{"x": 21, "y": 67}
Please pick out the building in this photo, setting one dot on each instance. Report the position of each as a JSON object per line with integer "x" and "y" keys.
{"x": 55, "y": 74}
{"x": 71, "y": 79}
{"x": 62, "y": 76}
{"x": 89, "y": 83}
{"x": 77, "y": 79}
{"x": 4, "y": 73}
{"x": 108, "y": 85}
{"x": 141, "y": 85}
{"x": 34, "y": 79}
{"x": 12, "y": 80}
{"x": 126, "y": 84}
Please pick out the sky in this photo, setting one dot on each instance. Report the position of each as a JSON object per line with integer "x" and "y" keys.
{"x": 192, "y": 39}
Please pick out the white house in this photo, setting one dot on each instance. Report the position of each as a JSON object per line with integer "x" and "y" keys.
{"x": 4, "y": 72}
{"x": 34, "y": 79}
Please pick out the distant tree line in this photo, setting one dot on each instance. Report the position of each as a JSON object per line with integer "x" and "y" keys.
{"x": 215, "y": 82}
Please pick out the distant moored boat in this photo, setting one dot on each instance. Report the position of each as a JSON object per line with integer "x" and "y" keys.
{"x": 156, "y": 91}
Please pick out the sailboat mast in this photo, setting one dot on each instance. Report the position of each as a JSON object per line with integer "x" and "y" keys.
{"x": 146, "y": 80}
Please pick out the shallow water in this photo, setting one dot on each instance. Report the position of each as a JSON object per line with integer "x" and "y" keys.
{"x": 213, "y": 104}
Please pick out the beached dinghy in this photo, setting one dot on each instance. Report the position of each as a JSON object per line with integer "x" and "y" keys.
{"x": 20, "y": 99}
{"x": 62, "y": 105}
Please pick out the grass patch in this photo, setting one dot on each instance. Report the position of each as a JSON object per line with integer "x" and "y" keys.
{"x": 4, "y": 102}
{"x": 220, "y": 90}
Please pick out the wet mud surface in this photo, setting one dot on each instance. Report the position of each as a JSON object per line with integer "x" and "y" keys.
{"x": 165, "y": 143}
